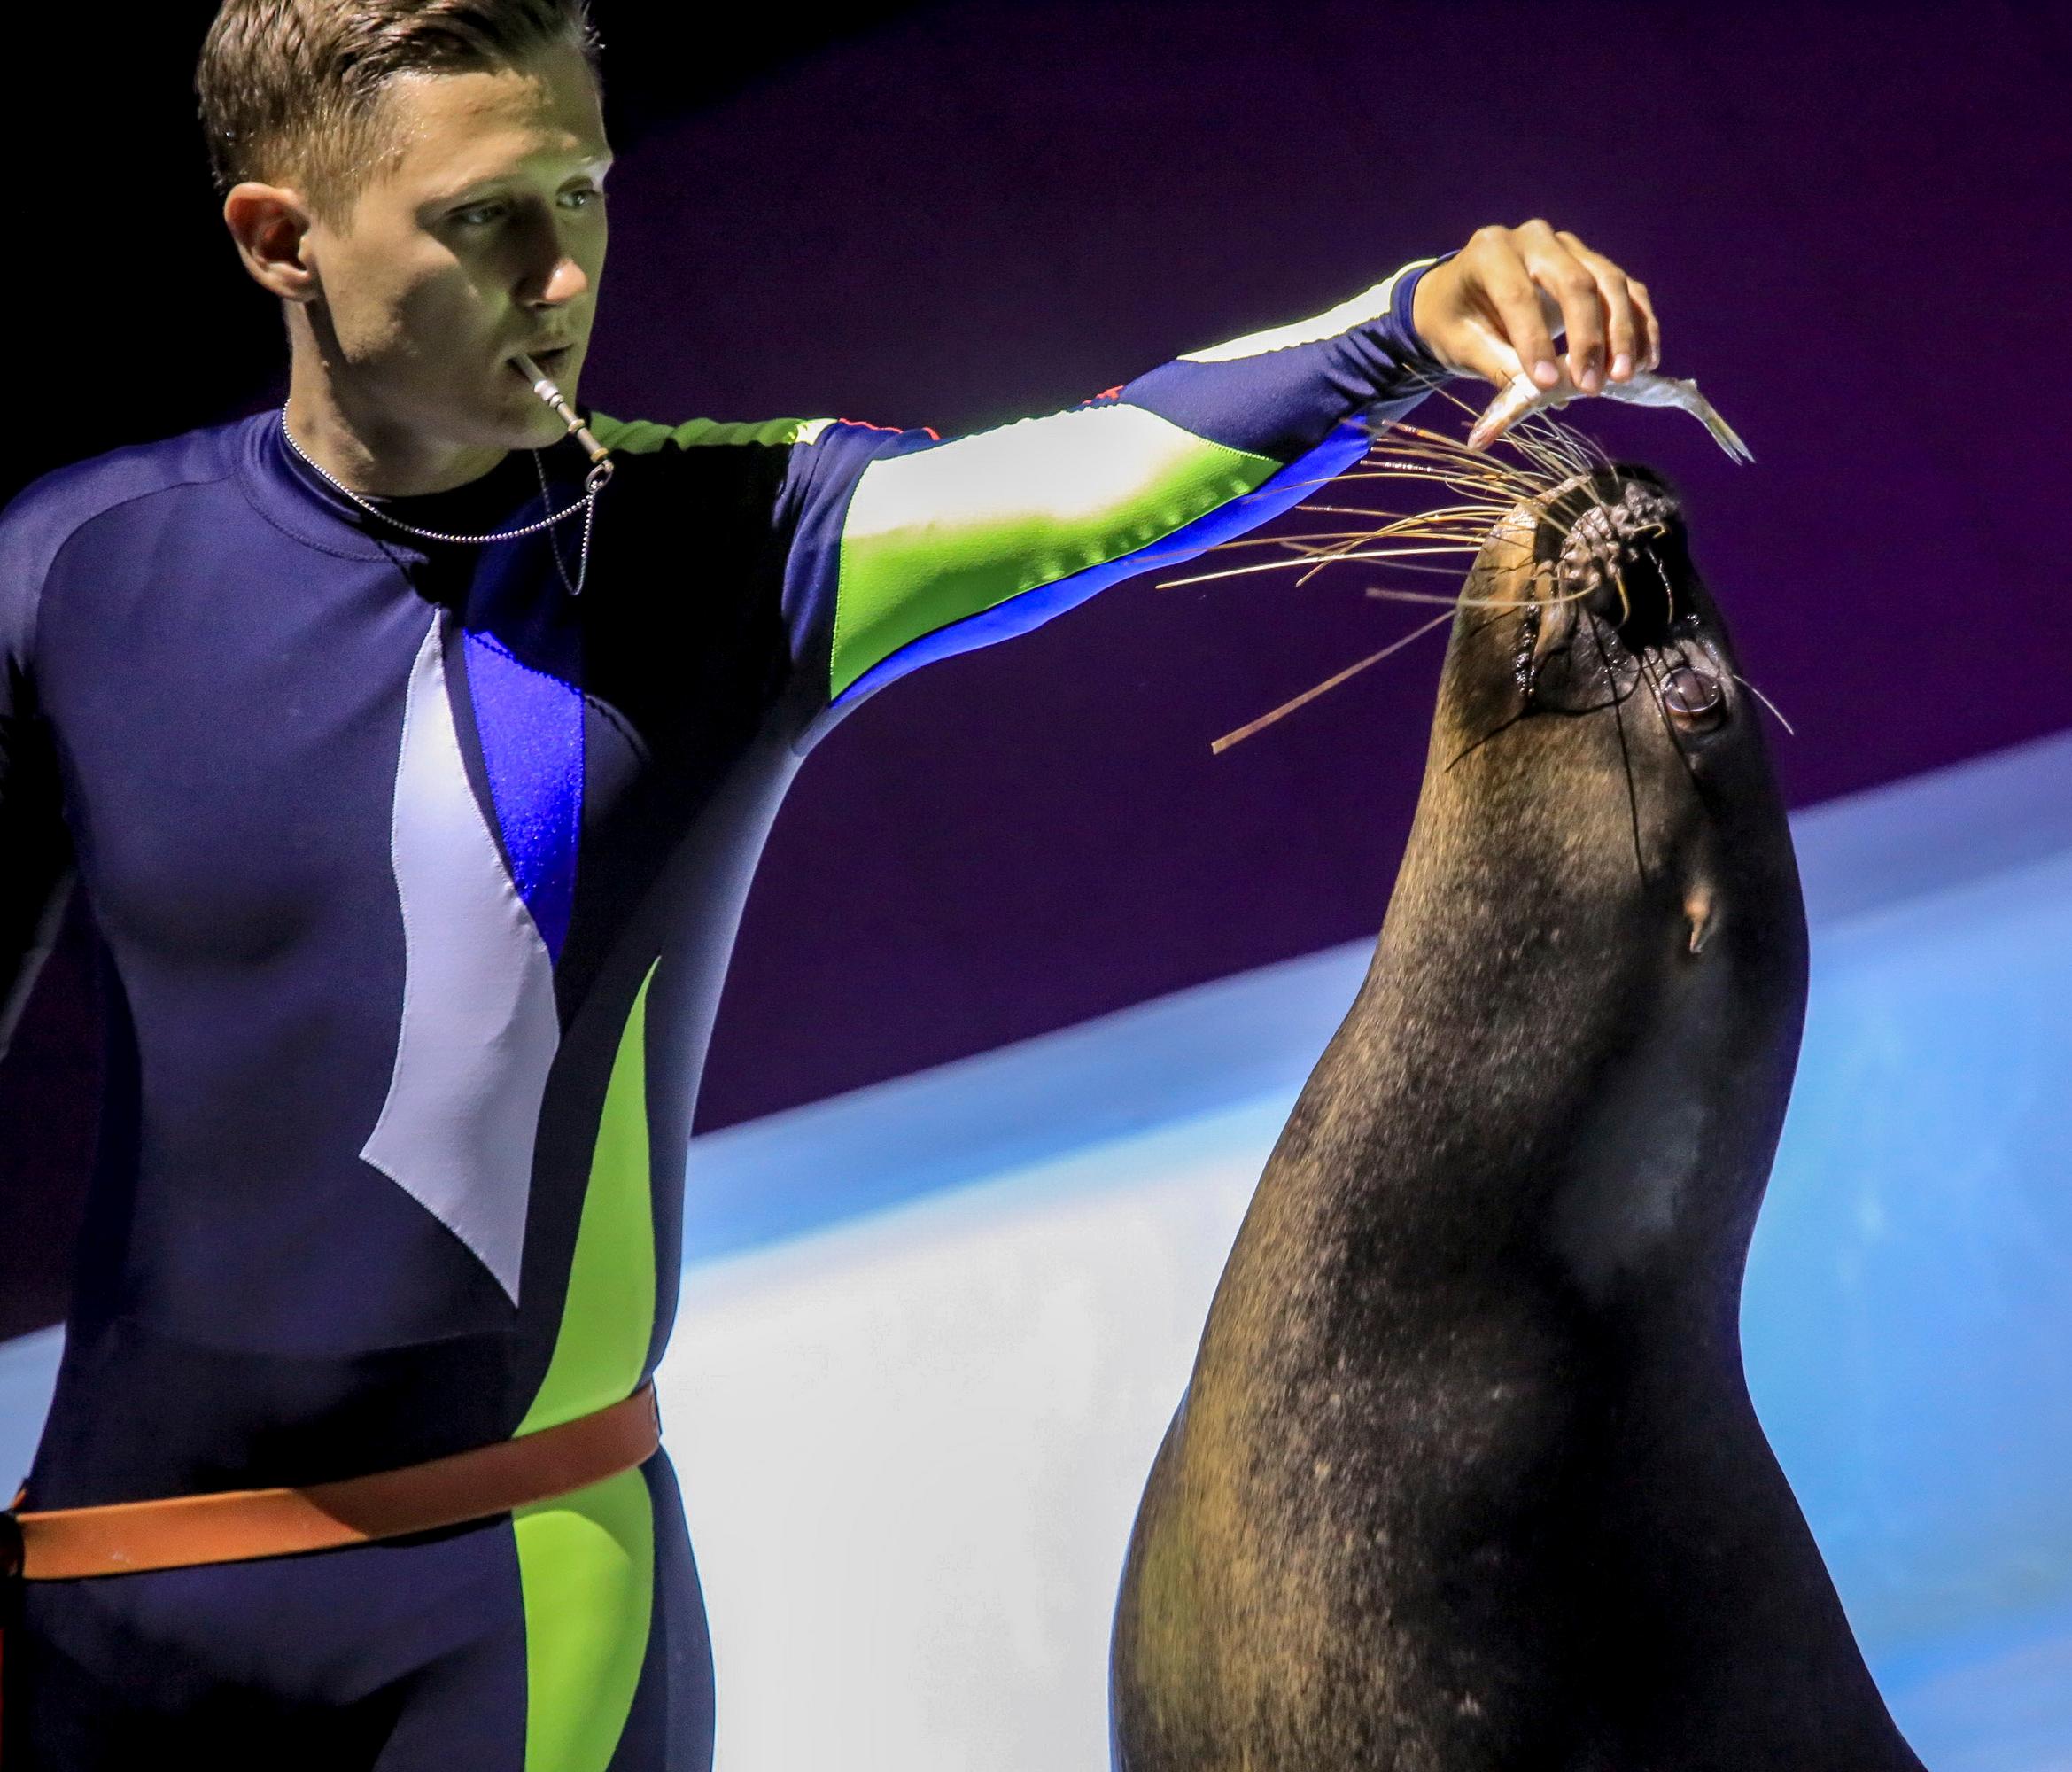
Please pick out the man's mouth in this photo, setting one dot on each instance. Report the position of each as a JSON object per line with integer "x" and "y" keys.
{"x": 552, "y": 362}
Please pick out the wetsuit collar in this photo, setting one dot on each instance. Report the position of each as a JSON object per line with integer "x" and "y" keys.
{"x": 289, "y": 495}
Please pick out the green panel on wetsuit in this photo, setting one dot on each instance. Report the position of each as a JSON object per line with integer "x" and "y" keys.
{"x": 608, "y": 1319}
{"x": 645, "y": 436}
{"x": 586, "y": 1561}
{"x": 939, "y": 534}
{"x": 586, "y": 1568}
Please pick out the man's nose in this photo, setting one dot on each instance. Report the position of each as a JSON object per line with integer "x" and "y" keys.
{"x": 553, "y": 277}
{"x": 564, "y": 283}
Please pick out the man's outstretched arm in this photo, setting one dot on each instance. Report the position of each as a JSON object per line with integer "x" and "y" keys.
{"x": 906, "y": 547}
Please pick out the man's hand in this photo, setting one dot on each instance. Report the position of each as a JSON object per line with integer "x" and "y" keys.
{"x": 1494, "y": 308}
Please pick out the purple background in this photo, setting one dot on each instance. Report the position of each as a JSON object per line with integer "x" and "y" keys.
{"x": 1854, "y": 221}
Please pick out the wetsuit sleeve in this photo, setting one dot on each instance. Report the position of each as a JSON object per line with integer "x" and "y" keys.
{"x": 35, "y": 851}
{"x": 903, "y": 547}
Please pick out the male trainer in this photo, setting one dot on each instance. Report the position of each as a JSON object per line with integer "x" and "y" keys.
{"x": 415, "y": 773}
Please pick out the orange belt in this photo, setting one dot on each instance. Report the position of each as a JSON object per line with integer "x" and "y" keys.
{"x": 231, "y": 1527}
{"x": 126, "y": 1538}
{"x": 234, "y": 1526}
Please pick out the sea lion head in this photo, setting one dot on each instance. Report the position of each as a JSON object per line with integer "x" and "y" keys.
{"x": 1601, "y": 863}
{"x": 1592, "y": 720}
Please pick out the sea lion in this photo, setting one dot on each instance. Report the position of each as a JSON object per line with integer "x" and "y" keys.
{"x": 1467, "y": 1477}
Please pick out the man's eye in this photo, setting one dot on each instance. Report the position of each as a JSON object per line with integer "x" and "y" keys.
{"x": 590, "y": 197}
{"x": 478, "y": 214}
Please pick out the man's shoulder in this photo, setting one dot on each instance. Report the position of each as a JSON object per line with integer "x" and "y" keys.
{"x": 757, "y": 473}
{"x": 47, "y": 511}
{"x": 770, "y": 473}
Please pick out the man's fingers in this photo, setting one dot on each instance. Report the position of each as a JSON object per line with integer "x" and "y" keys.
{"x": 1516, "y": 300}
{"x": 1484, "y": 353}
{"x": 1622, "y": 322}
{"x": 1647, "y": 350}
{"x": 1564, "y": 277}
{"x": 1511, "y": 292}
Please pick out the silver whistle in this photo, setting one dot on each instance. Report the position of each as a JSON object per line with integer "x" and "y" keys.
{"x": 601, "y": 461}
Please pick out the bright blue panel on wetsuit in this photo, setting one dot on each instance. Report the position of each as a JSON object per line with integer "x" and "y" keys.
{"x": 531, "y": 726}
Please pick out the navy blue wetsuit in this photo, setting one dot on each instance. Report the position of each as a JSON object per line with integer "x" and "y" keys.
{"x": 416, "y": 877}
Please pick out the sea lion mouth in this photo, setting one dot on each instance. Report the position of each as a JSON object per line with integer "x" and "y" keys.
{"x": 1602, "y": 558}
{"x": 1617, "y": 609}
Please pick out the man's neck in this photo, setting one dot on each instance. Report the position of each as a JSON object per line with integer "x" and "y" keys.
{"x": 358, "y": 450}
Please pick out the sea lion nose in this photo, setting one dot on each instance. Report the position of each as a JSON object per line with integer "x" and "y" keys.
{"x": 1693, "y": 697}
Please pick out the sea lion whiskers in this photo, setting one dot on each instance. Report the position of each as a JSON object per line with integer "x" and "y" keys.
{"x": 1411, "y": 452}
{"x": 1541, "y": 430}
{"x": 1336, "y": 511}
{"x": 1410, "y": 538}
{"x": 1451, "y": 605}
{"x": 1776, "y": 712}
{"x": 1542, "y": 439}
{"x": 1661, "y": 572}
{"x": 1615, "y": 696}
{"x": 1554, "y": 448}
{"x": 1413, "y": 442}
{"x": 1625, "y": 755}
{"x": 1384, "y": 592}
{"x": 1451, "y": 529}
{"x": 1494, "y": 732}
{"x": 1555, "y": 463}
{"x": 1391, "y": 594}
{"x": 1289, "y": 565}
{"x": 1243, "y": 732}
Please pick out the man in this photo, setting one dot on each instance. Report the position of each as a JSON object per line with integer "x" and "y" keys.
{"x": 415, "y": 791}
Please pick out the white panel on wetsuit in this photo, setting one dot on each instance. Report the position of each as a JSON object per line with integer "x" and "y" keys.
{"x": 479, "y": 1030}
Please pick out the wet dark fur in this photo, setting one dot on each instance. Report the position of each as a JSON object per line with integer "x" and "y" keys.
{"x": 1467, "y": 1476}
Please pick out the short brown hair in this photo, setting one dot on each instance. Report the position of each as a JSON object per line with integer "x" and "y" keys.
{"x": 290, "y": 89}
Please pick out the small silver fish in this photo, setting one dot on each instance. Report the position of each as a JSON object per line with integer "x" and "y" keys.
{"x": 1524, "y": 397}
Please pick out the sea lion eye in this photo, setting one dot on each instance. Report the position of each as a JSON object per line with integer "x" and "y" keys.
{"x": 1693, "y": 698}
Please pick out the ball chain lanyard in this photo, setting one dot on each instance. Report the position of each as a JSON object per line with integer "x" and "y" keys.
{"x": 600, "y": 470}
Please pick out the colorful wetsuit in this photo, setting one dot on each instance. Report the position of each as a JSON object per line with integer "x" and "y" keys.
{"x": 416, "y": 877}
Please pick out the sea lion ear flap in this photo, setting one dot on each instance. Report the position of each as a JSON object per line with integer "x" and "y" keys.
{"x": 1701, "y": 912}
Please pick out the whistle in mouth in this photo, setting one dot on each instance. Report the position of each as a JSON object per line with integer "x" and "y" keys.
{"x": 599, "y": 456}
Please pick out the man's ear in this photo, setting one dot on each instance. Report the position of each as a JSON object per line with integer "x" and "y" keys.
{"x": 271, "y": 223}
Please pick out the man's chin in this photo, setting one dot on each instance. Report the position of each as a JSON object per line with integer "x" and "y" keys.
{"x": 543, "y": 429}
{"x": 530, "y": 426}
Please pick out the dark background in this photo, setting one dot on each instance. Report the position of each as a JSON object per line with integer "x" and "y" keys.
{"x": 1854, "y": 219}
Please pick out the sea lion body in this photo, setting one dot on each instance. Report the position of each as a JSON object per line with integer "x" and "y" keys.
{"x": 1467, "y": 1478}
